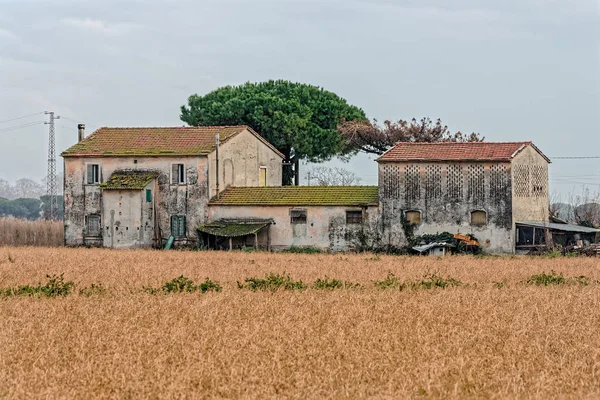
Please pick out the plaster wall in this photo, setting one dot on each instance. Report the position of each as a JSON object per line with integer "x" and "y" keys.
{"x": 187, "y": 199}
{"x": 240, "y": 160}
{"x": 530, "y": 189}
{"x": 325, "y": 226}
{"x": 128, "y": 217}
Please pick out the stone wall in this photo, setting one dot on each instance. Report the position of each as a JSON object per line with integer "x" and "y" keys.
{"x": 530, "y": 188}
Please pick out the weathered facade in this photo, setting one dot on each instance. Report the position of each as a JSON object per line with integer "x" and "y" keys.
{"x": 481, "y": 189}
{"x": 331, "y": 218}
{"x": 182, "y": 163}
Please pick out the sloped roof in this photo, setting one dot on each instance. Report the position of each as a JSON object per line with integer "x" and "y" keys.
{"x": 559, "y": 227}
{"x": 129, "y": 180}
{"x": 168, "y": 141}
{"x": 455, "y": 151}
{"x": 232, "y": 228}
{"x": 299, "y": 196}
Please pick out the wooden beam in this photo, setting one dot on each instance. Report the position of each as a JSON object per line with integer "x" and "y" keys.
{"x": 256, "y": 241}
{"x": 230, "y": 244}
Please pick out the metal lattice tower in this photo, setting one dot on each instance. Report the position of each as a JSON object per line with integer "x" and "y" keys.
{"x": 51, "y": 185}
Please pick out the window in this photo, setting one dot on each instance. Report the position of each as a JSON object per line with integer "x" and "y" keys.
{"x": 478, "y": 218}
{"x": 354, "y": 217}
{"x": 413, "y": 217}
{"x": 92, "y": 225}
{"x": 93, "y": 174}
{"x": 148, "y": 196}
{"x": 298, "y": 216}
{"x": 177, "y": 174}
{"x": 178, "y": 225}
{"x": 262, "y": 177}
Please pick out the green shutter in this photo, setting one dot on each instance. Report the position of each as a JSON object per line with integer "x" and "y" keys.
{"x": 182, "y": 226}
{"x": 90, "y": 174}
{"x": 178, "y": 225}
{"x": 148, "y": 195}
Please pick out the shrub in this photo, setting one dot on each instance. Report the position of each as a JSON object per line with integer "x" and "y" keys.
{"x": 55, "y": 286}
{"x": 272, "y": 282}
{"x": 327, "y": 283}
{"x": 433, "y": 281}
{"x": 303, "y": 250}
{"x": 182, "y": 284}
{"x": 544, "y": 279}
{"x": 390, "y": 282}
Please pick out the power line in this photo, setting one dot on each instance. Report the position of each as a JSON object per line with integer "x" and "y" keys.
{"x": 14, "y": 128}
{"x": 575, "y": 158}
{"x": 23, "y": 117}
{"x": 69, "y": 119}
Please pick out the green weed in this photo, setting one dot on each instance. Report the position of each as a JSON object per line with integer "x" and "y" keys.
{"x": 303, "y": 250}
{"x": 390, "y": 282}
{"x": 327, "y": 283}
{"x": 93, "y": 289}
{"x": 544, "y": 279}
{"x": 272, "y": 282}
{"x": 54, "y": 287}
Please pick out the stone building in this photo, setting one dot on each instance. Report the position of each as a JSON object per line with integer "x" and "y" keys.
{"x": 135, "y": 187}
{"x": 483, "y": 189}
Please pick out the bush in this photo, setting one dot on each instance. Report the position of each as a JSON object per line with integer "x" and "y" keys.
{"x": 54, "y": 287}
{"x": 433, "y": 281}
{"x": 544, "y": 279}
{"x": 327, "y": 283}
{"x": 272, "y": 282}
{"x": 303, "y": 250}
{"x": 182, "y": 284}
{"x": 390, "y": 282}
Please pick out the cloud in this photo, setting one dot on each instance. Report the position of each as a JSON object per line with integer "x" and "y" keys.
{"x": 101, "y": 27}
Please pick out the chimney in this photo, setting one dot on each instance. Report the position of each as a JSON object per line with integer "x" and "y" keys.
{"x": 80, "y": 132}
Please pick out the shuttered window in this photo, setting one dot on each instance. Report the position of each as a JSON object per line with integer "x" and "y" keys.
{"x": 413, "y": 217}
{"x": 177, "y": 174}
{"x": 148, "y": 196}
{"x": 478, "y": 218}
{"x": 298, "y": 216}
{"x": 262, "y": 179}
{"x": 354, "y": 217}
{"x": 178, "y": 225}
{"x": 93, "y": 174}
{"x": 92, "y": 225}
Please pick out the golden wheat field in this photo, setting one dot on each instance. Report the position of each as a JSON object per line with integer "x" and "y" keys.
{"x": 493, "y": 336}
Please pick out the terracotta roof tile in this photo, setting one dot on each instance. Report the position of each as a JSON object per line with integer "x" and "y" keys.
{"x": 156, "y": 141}
{"x": 299, "y": 196}
{"x": 455, "y": 151}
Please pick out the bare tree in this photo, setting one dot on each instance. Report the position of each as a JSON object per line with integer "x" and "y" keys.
{"x": 586, "y": 208}
{"x": 370, "y": 137}
{"x": 326, "y": 176}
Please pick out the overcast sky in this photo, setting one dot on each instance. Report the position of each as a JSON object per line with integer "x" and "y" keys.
{"x": 509, "y": 69}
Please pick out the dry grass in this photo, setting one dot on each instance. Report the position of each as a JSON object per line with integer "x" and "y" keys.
{"x": 482, "y": 339}
{"x": 21, "y": 232}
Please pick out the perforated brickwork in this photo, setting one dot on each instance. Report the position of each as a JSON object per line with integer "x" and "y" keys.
{"x": 476, "y": 183}
{"x": 391, "y": 181}
{"x": 433, "y": 182}
{"x": 521, "y": 180}
{"x": 499, "y": 179}
{"x": 539, "y": 181}
{"x": 412, "y": 179}
{"x": 454, "y": 182}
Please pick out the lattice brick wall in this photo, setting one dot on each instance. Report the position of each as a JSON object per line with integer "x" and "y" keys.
{"x": 521, "y": 180}
{"x": 412, "y": 185}
{"x": 433, "y": 182}
{"x": 539, "y": 180}
{"x": 454, "y": 182}
{"x": 391, "y": 181}
{"x": 476, "y": 183}
{"x": 499, "y": 179}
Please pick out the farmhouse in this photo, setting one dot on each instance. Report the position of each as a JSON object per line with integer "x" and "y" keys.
{"x": 135, "y": 187}
{"x": 141, "y": 187}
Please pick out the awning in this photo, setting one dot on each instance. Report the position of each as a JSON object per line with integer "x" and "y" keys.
{"x": 233, "y": 228}
{"x": 558, "y": 227}
{"x": 129, "y": 180}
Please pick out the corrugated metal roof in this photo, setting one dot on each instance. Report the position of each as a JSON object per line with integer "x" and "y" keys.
{"x": 559, "y": 227}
